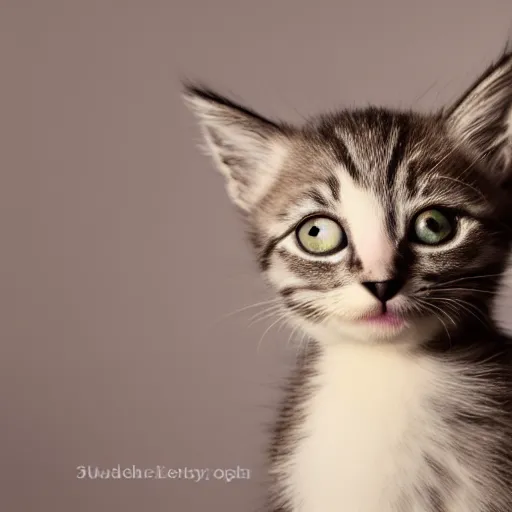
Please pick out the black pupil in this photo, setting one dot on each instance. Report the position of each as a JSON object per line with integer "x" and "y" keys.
{"x": 314, "y": 231}
{"x": 433, "y": 225}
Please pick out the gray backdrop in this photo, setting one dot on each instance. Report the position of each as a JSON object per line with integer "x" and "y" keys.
{"x": 120, "y": 253}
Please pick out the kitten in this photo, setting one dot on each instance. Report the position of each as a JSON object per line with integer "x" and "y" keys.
{"x": 385, "y": 234}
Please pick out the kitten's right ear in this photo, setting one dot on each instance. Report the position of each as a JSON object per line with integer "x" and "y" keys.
{"x": 247, "y": 148}
{"x": 481, "y": 121}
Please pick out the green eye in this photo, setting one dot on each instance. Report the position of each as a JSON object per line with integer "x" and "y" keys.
{"x": 321, "y": 236}
{"x": 433, "y": 227}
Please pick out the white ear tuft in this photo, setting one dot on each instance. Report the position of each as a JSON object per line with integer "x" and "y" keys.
{"x": 247, "y": 148}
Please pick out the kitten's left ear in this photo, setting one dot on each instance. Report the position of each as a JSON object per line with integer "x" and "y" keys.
{"x": 481, "y": 121}
{"x": 246, "y": 148}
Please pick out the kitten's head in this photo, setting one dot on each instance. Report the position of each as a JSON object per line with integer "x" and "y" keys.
{"x": 374, "y": 224}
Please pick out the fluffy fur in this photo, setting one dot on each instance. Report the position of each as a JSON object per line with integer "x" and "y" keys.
{"x": 384, "y": 417}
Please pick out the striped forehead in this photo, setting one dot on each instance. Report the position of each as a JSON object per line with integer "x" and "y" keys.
{"x": 371, "y": 153}
{"x": 373, "y": 177}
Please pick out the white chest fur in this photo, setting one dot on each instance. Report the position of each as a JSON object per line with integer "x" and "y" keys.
{"x": 369, "y": 434}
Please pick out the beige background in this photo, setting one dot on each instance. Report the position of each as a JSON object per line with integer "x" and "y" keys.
{"x": 120, "y": 254}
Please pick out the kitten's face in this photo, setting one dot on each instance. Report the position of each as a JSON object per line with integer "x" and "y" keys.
{"x": 372, "y": 224}
{"x": 369, "y": 214}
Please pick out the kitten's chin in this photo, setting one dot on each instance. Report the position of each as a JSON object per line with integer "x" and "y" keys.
{"x": 412, "y": 332}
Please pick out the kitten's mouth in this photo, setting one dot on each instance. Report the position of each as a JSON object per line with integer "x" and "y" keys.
{"x": 384, "y": 318}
